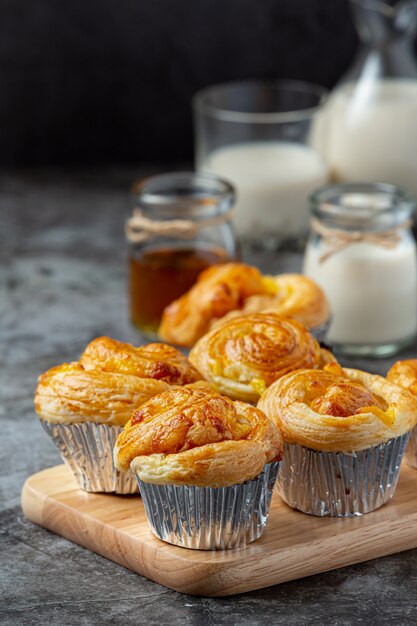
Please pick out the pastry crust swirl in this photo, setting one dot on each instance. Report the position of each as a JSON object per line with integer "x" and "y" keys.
{"x": 218, "y": 290}
{"x": 69, "y": 394}
{"x": 244, "y": 356}
{"x": 338, "y": 413}
{"x": 232, "y": 290}
{"x": 110, "y": 381}
{"x": 158, "y": 361}
{"x": 404, "y": 374}
{"x": 289, "y": 295}
{"x": 190, "y": 436}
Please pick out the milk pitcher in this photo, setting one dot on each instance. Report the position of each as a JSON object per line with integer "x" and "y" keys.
{"x": 371, "y": 115}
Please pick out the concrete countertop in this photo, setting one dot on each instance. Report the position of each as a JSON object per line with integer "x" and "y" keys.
{"x": 62, "y": 283}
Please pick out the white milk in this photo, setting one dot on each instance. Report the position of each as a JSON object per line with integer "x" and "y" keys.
{"x": 372, "y": 291}
{"x": 273, "y": 181}
{"x": 372, "y": 133}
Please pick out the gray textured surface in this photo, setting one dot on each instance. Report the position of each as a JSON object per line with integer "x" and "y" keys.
{"x": 62, "y": 283}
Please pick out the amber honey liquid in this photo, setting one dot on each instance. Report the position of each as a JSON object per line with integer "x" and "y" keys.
{"x": 159, "y": 276}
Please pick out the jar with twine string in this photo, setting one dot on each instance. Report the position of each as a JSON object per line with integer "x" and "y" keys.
{"x": 181, "y": 224}
{"x": 362, "y": 252}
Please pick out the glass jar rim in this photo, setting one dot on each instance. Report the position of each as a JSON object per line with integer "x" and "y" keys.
{"x": 201, "y": 101}
{"x": 330, "y": 205}
{"x": 190, "y": 195}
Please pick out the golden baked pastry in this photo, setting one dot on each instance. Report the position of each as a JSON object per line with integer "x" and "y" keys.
{"x": 154, "y": 360}
{"x": 69, "y": 393}
{"x": 338, "y": 410}
{"x": 111, "y": 380}
{"x": 289, "y": 295}
{"x": 404, "y": 374}
{"x": 235, "y": 289}
{"x": 218, "y": 290}
{"x": 189, "y": 436}
{"x": 242, "y": 357}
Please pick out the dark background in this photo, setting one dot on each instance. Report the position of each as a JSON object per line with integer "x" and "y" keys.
{"x": 98, "y": 81}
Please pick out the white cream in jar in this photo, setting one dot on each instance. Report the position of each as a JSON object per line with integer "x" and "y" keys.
{"x": 362, "y": 253}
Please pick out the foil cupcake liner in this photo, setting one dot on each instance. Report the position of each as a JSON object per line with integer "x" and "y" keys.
{"x": 340, "y": 485}
{"x": 411, "y": 449}
{"x": 207, "y": 518}
{"x": 87, "y": 450}
{"x": 320, "y": 332}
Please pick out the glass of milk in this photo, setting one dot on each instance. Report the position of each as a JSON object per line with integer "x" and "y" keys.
{"x": 362, "y": 253}
{"x": 260, "y": 136}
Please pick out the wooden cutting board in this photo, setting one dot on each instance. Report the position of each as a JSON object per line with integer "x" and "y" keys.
{"x": 294, "y": 545}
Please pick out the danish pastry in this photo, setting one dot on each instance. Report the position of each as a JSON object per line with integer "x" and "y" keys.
{"x": 219, "y": 289}
{"x": 327, "y": 411}
{"x": 245, "y": 355}
{"x": 404, "y": 374}
{"x": 235, "y": 289}
{"x": 109, "y": 382}
{"x": 154, "y": 360}
{"x": 289, "y": 295}
{"x": 69, "y": 393}
{"x": 196, "y": 437}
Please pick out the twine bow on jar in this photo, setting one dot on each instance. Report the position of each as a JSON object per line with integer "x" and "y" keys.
{"x": 336, "y": 239}
{"x": 140, "y": 228}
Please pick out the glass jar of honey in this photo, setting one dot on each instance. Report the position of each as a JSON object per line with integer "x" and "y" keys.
{"x": 181, "y": 225}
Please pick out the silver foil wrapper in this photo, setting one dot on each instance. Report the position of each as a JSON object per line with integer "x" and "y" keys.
{"x": 87, "y": 450}
{"x": 206, "y": 518}
{"x": 411, "y": 449}
{"x": 340, "y": 485}
{"x": 320, "y": 332}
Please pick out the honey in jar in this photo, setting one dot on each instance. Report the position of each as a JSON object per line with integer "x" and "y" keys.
{"x": 182, "y": 227}
{"x": 162, "y": 275}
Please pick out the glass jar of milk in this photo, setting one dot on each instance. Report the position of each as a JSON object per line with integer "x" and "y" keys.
{"x": 362, "y": 253}
{"x": 260, "y": 136}
{"x": 371, "y": 115}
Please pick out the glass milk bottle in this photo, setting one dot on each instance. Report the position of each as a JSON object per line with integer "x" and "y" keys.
{"x": 260, "y": 136}
{"x": 371, "y": 116}
{"x": 362, "y": 253}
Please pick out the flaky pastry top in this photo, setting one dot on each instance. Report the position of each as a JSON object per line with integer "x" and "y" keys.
{"x": 189, "y": 436}
{"x": 236, "y": 289}
{"x": 245, "y": 355}
{"x": 158, "y": 361}
{"x": 218, "y": 290}
{"x": 110, "y": 381}
{"x": 338, "y": 410}
{"x": 289, "y": 295}
{"x": 404, "y": 374}
{"x": 69, "y": 394}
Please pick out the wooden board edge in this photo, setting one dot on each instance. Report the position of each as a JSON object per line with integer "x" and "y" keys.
{"x": 144, "y": 559}
{"x": 338, "y": 560}
{"x": 224, "y": 578}
{"x": 32, "y": 501}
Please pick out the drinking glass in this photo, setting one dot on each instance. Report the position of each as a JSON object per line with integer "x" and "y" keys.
{"x": 262, "y": 136}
